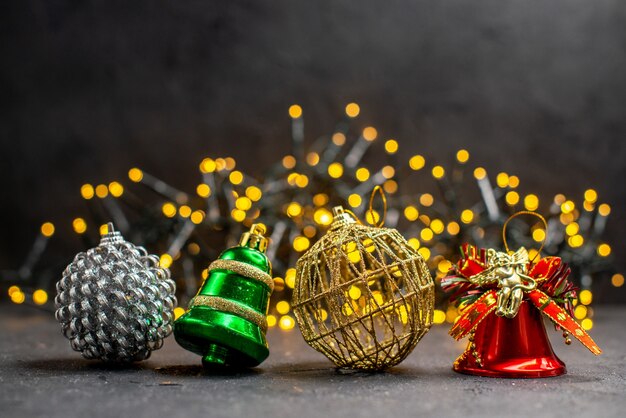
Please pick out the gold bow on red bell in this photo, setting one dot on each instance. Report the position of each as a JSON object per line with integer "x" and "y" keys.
{"x": 497, "y": 292}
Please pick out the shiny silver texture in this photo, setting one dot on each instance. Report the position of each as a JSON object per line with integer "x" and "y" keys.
{"x": 114, "y": 302}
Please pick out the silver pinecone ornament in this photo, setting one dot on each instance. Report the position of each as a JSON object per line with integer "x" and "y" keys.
{"x": 114, "y": 302}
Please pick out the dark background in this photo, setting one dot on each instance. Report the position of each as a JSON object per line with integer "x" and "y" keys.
{"x": 91, "y": 88}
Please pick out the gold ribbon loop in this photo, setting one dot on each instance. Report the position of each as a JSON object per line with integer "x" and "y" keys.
{"x": 371, "y": 211}
{"x": 525, "y": 212}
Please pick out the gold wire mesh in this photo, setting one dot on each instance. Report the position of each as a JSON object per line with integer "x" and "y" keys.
{"x": 363, "y": 296}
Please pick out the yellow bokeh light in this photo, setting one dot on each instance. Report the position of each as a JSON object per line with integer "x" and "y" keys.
{"x": 362, "y": 174}
{"x": 604, "y": 250}
{"x": 467, "y": 216}
{"x": 335, "y": 170}
{"x": 444, "y": 265}
{"x": 390, "y": 186}
{"x": 580, "y": 312}
{"x": 322, "y": 216}
{"x": 243, "y": 203}
{"x": 372, "y": 217}
{"x": 568, "y": 207}
{"x": 453, "y": 228}
{"x": 388, "y": 171}
{"x": 168, "y": 209}
{"x": 437, "y": 226}
{"x": 559, "y": 199}
{"x": 193, "y": 248}
{"x": 286, "y": 323}
{"x": 295, "y": 111}
{"x": 462, "y": 156}
{"x": 184, "y": 211}
{"x": 354, "y": 292}
{"x": 102, "y": 191}
{"x": 47, "y": 229}
{"x": 438, "y": 172}
{"x": 427, "y": 200}
{"x": 572, "y": 229}
{"x": 411, "y": 213}
{"x": 391, "y": 146}
{"x": 513, "y": 182}
{"x": 165, "y": 260}
{"x": 370, "y": 133}
{"x": 289, "y": 162}
{"x": 539, "y": 235}
{"x": 271, "y": 321}
{"x": 294, "y": 209}
{"x": 203, "y": 190}
{"x": 585, "y": 297}
{"x": 290, "y": 277}
{"x": 116, "y": 189}
{"x": 339, "y": 139}
{"x": 312, "y": 159}
{"x": 480, "y": 173}
{"x": 417, "y": 162}
{"x": 591, "y": 195}
{"x": 18, "y": 297}
{"x": 414, "y": 243}
{"x": 135, "y": 175}
{"x": 531, "y": 202}
{"x": 320, "y": 199}
{"x": 197, "y": 217}
{"x": 208, "y": 165}
{"x": 87, "y": 191}
{"x": 502, "y": 180}
{"x": 13, "y": 289}
{"x": 424, "y": 252}
{"x": 512, "y": 198}
{"x": 617, "y": 280}
{"x": 587, "y": 324}
{"x": 79, "y": 225}
{"x": 301, "y": 243}
{"x": 309, "y": 231}
{"x": 238, "y": 215}
{"x": 236, "y": 177}
{"x": 352, "y": 110}
{"x": 178, "y": 312}
{"x": 426, "y": 234}
{"x": 254, "y": 193}
{"x": 439, "y": 316}
{"x": 321, "y": 314}
{"x": 40, "y": 297}
{"x": 302, "y": 181}
{"x": 604, "y": 209}
{"x": 230, "y": 163}
{"x": 576, "y": 241}
{"x": 354, "y": 200}
{"x": 104, "y": 229}
{"x": 282, "y": 307}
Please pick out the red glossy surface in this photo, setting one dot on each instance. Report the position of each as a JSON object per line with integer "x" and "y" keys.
{"x": 515, "y": 348}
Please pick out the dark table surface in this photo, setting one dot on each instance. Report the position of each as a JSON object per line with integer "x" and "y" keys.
{"x": 41, "y": 376}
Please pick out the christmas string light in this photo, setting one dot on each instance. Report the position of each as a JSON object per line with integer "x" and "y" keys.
{"x": 293, "y": 200}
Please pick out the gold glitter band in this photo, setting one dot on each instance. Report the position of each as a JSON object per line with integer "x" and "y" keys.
{"x": 244, "y": 269}
{"x": 227, "y": 305}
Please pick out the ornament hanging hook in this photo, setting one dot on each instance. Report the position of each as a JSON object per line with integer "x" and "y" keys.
{"x": 371, "y": 211}
{"x": 525, "y": 212}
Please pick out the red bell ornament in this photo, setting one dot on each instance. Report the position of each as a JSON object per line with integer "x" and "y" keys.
{"x": 515, "y": 347}
{"x": 502, "y": 297}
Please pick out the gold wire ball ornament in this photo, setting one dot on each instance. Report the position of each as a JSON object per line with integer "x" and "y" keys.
{"x": 363, "y": 296}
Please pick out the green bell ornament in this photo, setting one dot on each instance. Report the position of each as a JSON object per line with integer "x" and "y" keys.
{"x": 226, "y": 321}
